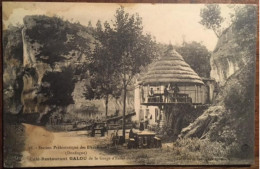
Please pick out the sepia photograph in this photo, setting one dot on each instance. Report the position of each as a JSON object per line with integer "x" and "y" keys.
{"x": 123, "y": 84}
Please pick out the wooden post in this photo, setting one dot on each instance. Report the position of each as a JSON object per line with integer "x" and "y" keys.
{"x": 195, "y": 101}
{"x": 163, "y": 119}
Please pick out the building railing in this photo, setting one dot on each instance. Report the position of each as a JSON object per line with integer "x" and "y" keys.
{"x": 170, "y": 98}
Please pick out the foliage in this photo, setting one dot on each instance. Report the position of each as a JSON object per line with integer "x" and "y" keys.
{"x": 12, "y": 43}
{"x": 238, "y": 94}
{"x": 119, "y": 53}
{"x": 14, "y": 143}
{"x": 58, "y": 86}
{"x": 199, "y": 149}
{"x": 230, "y": 120}
{"x": 12, "y": 67}
{"x": 197, "y": 56}
{"x": 211, "y": 18}
{"x": 103, "y": 75}
{"x": 131, "y": 49}
{"x": 57, "y": 38}
{"x": 245, "y": 25}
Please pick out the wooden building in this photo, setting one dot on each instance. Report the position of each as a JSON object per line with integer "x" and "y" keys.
{"x": 168, "y": 84}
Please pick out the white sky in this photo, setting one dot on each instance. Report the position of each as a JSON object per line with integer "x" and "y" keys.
{"x": 166, "y": 22}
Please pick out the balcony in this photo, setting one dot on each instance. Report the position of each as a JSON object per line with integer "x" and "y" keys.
{"x": 160, "y": 99}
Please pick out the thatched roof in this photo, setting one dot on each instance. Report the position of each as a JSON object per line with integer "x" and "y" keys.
{"x": 171, "y": 68}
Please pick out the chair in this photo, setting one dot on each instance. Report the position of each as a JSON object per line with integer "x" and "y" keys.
{"x": 140, "y": 142}
{"x": 145, "y": 142}
{"x": 131, "y": 143}
{"x": 157, "y": 142}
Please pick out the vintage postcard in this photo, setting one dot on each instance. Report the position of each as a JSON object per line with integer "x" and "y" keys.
{"x": 107, "y": 84}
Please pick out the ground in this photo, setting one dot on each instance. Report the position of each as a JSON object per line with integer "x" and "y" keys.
{"x": 76, "y": 148}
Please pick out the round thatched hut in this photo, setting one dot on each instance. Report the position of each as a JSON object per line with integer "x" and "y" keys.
{"x": 171, "y": 80}
{"x": 171, "y": 68}
{"x": 168, "y": 83}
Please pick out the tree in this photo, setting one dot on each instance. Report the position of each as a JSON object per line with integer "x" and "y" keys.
{"x": 197, "y": 56}
{"x": 130, "y": 49}
{"x": 103, "y": 76}
{"x": 211, "y": 18}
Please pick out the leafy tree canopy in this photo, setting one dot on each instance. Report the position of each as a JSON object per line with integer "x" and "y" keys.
{"x": 211, "y": 18}
{"x": 245, "y": 25}
{"x": 197, "y": 56}
{"x": 57, "y": 38}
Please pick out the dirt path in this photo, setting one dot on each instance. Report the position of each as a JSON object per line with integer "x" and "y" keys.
{"x": 44, "y": 148}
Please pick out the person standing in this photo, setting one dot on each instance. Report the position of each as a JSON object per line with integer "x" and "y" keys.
{"x": 131, "y": 133}
{"x": 165, "y": 93}
{"x": 151, "y": 92}
{"x": 175, "y": 92}
{"x": 176, "y": 89}
{"x": 142, "y": 94}
{"x": 141, "y": 128}
{"x": 146, "y": 122}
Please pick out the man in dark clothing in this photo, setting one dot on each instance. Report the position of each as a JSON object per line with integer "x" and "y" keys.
{"x": 151, "y": 92}
{"x": 141, "y": 126}
{"x": 131, "y": 133}
{"x": 93, "y": 130}
{"x": 176, "y": 89}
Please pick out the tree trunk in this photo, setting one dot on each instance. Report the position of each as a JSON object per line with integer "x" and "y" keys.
{"x": 106, "y": 103}
{"x": 216, "y": 33}
{"x": 124, "y": 107}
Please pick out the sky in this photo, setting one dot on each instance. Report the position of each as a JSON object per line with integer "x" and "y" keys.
{"x": 168, "y": 23}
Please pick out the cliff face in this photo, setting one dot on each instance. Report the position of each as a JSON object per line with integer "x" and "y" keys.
{"x": 227, "y": 58}
{"x": 48, "y": 49}
{"x": 13, "y": 68}
{"x": 231, "y": 119}
{"x": 44, "y": 65}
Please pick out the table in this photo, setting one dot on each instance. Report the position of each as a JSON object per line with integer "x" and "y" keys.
{"x": 156, "y": 98}
{"x": 97, "y": 131}
{"x": 144, "y": 139}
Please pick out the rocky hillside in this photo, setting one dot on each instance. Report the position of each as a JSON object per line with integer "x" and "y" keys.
{"x": 13, "y": 68}
{"x": 227, "y": 57}
{"x": 230, "y": 120}
{"x": 45, "y": 64}
{"x": 51, "y": 47}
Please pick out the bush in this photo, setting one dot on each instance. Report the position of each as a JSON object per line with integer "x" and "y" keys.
{"x": 199, "y": 150}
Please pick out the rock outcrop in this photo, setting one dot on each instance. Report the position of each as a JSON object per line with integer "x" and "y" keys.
{"x": 12, "y": 69}
{"x": 230, "y": 119}
{"x": 227, "y": 57}
{"x": 49, "y": 46}
{"x": 36, "y": 58}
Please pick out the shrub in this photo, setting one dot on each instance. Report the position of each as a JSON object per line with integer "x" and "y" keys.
{"x": 199, "y": 149}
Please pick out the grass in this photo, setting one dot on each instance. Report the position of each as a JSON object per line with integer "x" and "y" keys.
{"x": 182, "y": 152}
{"x": 13, "y": 144}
